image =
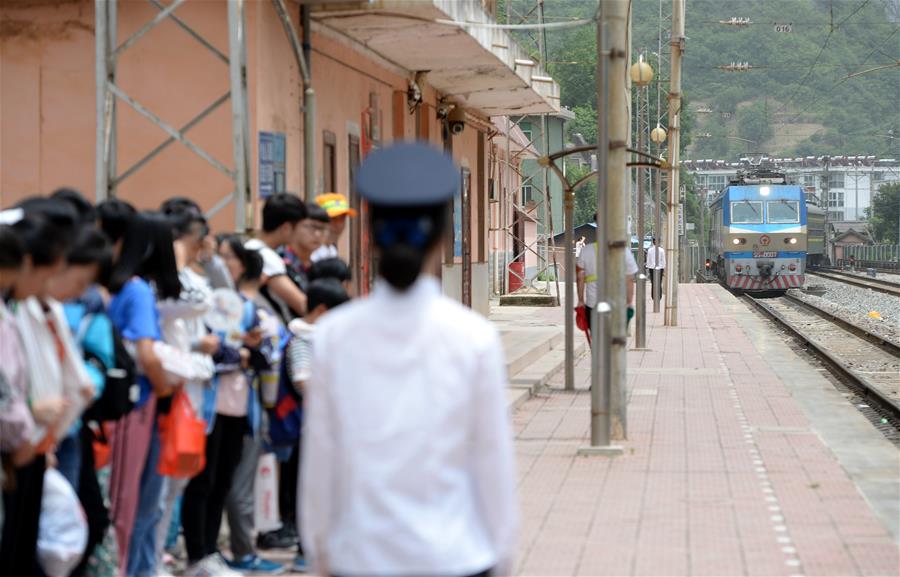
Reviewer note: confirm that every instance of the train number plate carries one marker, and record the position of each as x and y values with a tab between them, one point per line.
768	254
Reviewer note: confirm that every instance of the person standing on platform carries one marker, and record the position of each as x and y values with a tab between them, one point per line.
586	280
338	210
656	260
407	459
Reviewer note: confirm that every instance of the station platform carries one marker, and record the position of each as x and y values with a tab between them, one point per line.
741	459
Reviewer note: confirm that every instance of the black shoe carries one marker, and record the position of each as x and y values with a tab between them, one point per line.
284	538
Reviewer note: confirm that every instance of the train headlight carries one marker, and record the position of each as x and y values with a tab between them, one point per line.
738	241
738	268
791	240
792	267
764	190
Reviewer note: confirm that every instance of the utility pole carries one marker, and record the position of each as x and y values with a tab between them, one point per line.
608	322
677	44
641	75
617	207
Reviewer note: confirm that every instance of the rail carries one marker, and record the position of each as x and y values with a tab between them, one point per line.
884	399
875	284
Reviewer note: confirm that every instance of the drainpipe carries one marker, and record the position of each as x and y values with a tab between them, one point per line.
309	108
302	55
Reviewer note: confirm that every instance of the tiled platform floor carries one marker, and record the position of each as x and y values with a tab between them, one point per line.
724	472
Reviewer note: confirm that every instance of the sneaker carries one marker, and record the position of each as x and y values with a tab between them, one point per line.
255	564
211	566
299	565
283	538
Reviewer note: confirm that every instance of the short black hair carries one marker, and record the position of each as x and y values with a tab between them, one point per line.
41	239
251	260
281	208
90	247
316	212
87	213
183	213
115	215
329	268
325	291
12	249
61	214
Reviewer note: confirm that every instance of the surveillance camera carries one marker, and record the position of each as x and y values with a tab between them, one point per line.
457	120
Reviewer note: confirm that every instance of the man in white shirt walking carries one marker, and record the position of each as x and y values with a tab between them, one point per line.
407	461
656	260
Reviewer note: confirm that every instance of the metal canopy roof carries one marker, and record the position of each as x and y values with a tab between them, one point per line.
477	67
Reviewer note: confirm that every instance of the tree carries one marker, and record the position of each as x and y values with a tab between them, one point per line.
884	214
585	196
753	123
585	123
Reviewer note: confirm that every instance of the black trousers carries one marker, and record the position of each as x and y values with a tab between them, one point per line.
91	499
204	496
662	275
22	511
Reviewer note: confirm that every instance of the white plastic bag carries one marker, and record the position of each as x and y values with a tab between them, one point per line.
265	506
63	531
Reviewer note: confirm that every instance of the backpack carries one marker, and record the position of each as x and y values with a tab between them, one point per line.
98	338
286	417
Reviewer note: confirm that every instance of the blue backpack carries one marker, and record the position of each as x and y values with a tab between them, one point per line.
286	417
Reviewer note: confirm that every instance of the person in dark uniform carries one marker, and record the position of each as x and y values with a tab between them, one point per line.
407	452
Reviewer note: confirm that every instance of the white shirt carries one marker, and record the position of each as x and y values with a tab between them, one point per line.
323	252
587	261
651	257
407	450
273	265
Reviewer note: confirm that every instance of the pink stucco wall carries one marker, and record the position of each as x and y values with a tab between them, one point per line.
47	103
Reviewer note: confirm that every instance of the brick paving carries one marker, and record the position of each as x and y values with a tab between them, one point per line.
722	472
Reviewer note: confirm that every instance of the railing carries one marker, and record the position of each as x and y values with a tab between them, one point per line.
879	253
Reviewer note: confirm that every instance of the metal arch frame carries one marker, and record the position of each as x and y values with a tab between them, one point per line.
108	93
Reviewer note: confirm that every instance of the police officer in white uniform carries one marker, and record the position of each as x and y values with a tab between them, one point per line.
407	461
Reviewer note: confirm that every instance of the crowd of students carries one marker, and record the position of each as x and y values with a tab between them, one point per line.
117	328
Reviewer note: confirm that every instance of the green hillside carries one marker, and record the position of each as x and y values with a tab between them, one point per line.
797	98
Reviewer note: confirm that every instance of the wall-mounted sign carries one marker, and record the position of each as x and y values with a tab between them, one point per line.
271	163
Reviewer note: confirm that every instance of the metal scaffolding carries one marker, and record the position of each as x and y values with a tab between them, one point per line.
109	92
538	205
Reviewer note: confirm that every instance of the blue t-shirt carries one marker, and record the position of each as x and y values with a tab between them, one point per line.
133	311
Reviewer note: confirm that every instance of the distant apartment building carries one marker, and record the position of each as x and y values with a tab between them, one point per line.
850	181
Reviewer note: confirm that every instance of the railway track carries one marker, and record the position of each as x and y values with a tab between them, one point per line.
867	362
876	284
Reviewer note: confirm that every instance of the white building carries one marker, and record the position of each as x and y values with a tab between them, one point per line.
851	181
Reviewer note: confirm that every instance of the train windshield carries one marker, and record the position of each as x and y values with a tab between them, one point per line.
784	211
746	212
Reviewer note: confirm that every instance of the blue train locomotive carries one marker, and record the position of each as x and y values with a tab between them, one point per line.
758	237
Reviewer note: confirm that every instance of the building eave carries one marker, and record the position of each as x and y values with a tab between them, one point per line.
475	66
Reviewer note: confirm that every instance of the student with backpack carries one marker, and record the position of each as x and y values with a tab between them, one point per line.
184	329
146	256
236	408
281	216
245	267
286	419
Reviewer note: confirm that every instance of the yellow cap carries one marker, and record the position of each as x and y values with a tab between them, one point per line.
335	204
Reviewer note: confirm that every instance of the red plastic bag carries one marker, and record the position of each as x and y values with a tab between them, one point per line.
583	322
182	437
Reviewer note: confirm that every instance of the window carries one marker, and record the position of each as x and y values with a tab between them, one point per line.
877	176
780	211
329	163
836	180
747	212
700	180
809	180
835	215
526	129
527	193
716	181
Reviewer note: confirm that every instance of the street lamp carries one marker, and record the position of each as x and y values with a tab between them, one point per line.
641	76
658	135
